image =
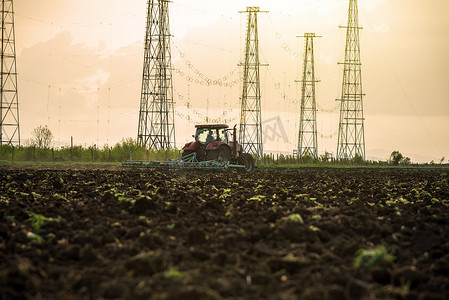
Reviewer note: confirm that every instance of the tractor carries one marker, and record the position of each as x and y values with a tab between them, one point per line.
213	142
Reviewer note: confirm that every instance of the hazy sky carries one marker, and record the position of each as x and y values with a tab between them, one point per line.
80	66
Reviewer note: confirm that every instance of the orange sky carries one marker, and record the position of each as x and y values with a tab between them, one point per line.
80	66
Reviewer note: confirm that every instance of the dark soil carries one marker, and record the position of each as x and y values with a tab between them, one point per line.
272	234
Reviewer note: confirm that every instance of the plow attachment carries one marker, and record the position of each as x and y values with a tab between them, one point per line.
186	162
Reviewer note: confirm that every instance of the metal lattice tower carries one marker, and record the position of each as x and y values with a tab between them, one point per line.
351	135
307	137
156	117
250	131
9	108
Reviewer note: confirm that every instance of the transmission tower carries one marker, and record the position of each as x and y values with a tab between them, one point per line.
156	116
351	135
9	108
250	131
307	137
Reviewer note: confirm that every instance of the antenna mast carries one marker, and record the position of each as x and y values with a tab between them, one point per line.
156	117
250	131
351	134
9	103
307	137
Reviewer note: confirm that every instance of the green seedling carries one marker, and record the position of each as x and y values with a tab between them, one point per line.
425	194
372	257
122	198
154	192
435	200
257	198
295	218
317	217
35	237
174	273
9	218
38	220
285	191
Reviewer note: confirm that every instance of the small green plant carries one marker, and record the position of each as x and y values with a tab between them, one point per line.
9	218
295	218
317	217
154	192
174	273
257	198
38	220
435	200
285	191
425	194
122	198
35	237
372	257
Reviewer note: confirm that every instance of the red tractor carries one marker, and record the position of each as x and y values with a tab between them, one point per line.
214	143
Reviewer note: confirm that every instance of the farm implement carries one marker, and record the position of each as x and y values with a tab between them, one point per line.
213	148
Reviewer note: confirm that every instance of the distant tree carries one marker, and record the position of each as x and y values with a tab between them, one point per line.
326	157
406	161
129	143
396	157
442	159
357	160
41	137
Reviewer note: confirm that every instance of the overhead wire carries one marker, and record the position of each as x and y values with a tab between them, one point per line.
404	93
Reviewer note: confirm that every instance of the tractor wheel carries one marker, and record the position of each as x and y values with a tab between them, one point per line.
222	154
247	160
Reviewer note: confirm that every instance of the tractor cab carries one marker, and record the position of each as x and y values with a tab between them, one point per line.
209	133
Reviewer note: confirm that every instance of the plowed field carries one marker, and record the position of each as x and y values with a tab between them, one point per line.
273	234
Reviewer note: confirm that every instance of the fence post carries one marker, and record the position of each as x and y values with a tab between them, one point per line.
109	154
53	153
130	154
148	155
12	154
34	153
71	148
92	153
